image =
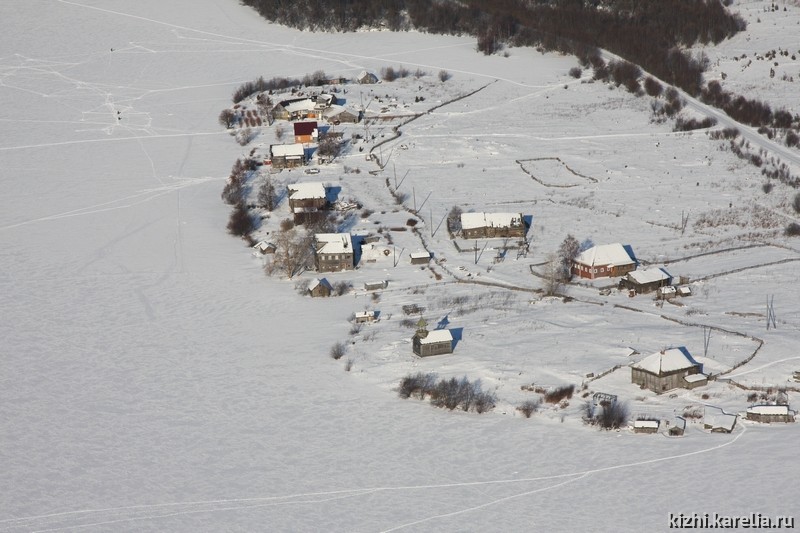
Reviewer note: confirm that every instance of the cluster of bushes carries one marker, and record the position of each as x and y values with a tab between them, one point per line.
391	73
558	394
606	415
682	124
259	85
749	111
450	393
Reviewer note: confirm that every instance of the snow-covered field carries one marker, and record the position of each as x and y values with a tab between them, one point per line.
153	379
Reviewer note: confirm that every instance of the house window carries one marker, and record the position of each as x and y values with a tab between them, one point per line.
594	271
602	270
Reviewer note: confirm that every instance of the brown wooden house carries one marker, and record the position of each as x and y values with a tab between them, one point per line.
319	288
644	281
308	202
426	343
287	155
666	370
333	252
490	225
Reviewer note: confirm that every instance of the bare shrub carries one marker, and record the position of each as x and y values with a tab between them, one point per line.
559	393
444	76
286	224
652	87
575	72
528	407
302	286
227	118
245	136
454	219
388	74
348	365
338	350
355	329
610	415
240	224
342	287
450	393
796	203
267	196
411	222
682	124
792	230
767	187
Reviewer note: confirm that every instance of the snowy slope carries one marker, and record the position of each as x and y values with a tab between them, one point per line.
153	379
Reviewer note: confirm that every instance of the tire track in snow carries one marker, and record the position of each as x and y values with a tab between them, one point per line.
288	499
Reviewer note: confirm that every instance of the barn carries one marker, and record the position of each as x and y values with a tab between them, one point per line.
769	414
490	225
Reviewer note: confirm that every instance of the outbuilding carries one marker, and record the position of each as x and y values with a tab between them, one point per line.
665	370
769	414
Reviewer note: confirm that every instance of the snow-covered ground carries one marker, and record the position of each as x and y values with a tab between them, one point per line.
153	379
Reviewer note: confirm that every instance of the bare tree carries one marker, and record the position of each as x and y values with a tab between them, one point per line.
569	250
552	276
279	133
329	146
240	223
227	118
293	253
267	197
454	219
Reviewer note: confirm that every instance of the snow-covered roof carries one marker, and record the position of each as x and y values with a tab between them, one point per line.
365	314
264	246
437	335
669	289
769	409
313	285
304	104
694	378
334	110
420	255
286	150
306	191
605	254
720	420
646	424
334	243
490	220
649	275
666	361
684	290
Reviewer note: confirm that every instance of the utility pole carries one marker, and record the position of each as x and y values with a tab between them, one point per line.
476	252
706	340
770	312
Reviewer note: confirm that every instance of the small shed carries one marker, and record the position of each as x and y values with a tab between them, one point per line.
319	288
264	247
420	258
375	285
364	317
426	343
692	381
769	414
645	426
667	292
684	290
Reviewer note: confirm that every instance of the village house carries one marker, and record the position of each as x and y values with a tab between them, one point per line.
287	155
375	285
426	343
667	370
294	109
308	202
324	101
603	261
365	77
718	421
644	281
319	288
305	132
333	252
337	114
768	414
489	225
